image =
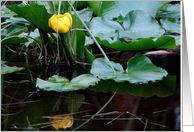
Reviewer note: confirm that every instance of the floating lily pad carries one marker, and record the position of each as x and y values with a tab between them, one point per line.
139	70
57	83
110	9
172	25
137	24
86	14
163	88
163	42
170	11
9	69
138	31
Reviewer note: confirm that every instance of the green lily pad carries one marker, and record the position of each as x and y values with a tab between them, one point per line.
9	69
170	11
163	42
171	25
57	83
136	25
36	14
86	14
110	9
139	70
139	24
163	88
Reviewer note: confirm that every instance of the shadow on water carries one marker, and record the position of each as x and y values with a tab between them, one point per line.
153	106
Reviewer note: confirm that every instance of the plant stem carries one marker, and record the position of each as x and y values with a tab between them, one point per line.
92	36
67	50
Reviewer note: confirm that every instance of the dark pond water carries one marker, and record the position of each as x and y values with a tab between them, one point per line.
155	106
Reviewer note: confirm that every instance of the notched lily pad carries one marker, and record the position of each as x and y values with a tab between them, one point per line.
139	70
57	83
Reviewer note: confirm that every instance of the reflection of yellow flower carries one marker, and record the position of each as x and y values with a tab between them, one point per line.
64	24
61	121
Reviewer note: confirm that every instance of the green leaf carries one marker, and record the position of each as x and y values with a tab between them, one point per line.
177	39
86	14
76	23
13	40
170	11
13	30
9	69
17	20
36	14
139	24
88	54
80	42
57	83
171	25
95	5
139	70
163	42
5	12
110	9
104	28
163	88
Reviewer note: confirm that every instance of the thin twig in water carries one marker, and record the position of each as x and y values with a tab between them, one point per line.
115	118
145	125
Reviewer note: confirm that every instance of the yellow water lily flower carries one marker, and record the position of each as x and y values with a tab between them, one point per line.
61	121
64	24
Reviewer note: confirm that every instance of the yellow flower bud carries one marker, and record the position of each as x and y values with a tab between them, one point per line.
64	24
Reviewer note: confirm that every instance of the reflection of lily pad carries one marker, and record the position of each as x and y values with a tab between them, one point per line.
139	69
163	88
9	69
57	83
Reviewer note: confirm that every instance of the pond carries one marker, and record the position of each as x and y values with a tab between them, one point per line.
90	66
107	106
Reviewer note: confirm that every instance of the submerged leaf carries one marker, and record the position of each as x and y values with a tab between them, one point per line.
139	70
57	83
